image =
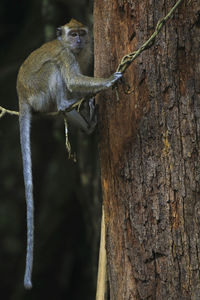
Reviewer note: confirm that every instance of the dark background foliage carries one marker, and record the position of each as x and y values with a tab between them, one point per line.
66	195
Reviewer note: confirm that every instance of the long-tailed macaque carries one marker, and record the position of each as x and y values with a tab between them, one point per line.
53	78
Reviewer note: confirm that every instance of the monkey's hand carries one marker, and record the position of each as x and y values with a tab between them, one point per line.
115	77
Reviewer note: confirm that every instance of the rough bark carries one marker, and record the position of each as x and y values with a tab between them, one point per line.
149	150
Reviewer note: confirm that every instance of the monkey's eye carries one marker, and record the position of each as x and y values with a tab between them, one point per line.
73	33
82	33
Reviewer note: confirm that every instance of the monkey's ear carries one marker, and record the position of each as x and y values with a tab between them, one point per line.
59	32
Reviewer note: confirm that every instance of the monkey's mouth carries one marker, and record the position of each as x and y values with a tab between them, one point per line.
77	49
79	46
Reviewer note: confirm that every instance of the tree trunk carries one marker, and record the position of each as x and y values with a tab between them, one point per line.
149	149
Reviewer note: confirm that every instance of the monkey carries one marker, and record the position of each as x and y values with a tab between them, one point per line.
53	78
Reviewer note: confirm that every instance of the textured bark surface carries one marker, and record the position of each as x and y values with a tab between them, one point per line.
149	150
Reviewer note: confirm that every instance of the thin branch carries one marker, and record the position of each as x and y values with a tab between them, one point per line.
4	111
77	105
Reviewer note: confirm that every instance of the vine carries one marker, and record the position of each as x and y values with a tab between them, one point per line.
129	58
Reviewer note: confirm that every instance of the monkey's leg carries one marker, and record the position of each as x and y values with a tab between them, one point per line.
92	110
92	124
77	120
62	101
92	115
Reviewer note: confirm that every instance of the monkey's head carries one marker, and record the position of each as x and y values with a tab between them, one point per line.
74	35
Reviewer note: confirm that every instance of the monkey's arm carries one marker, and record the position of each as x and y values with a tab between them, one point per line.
79	83
90	85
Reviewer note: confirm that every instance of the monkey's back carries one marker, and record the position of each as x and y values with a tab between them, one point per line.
39	65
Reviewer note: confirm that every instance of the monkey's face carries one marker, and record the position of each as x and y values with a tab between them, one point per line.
75	38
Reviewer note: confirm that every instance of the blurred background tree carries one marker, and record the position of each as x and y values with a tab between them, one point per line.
67	214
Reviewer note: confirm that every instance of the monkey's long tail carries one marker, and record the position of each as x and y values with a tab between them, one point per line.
25	123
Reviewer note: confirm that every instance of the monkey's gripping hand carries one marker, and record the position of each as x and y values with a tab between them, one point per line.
114	78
